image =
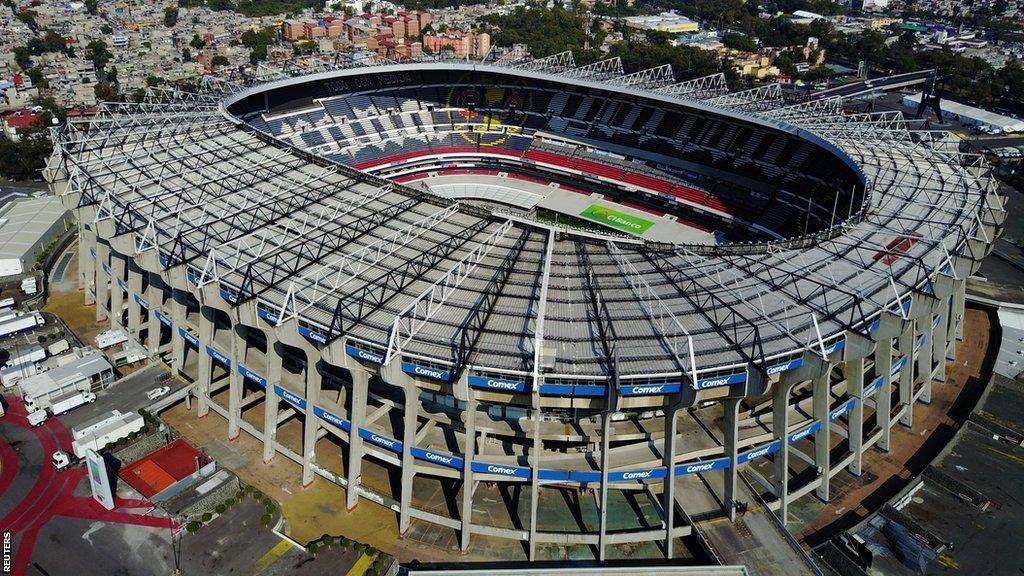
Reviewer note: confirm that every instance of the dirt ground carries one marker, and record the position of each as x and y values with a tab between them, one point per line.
67	301
853	499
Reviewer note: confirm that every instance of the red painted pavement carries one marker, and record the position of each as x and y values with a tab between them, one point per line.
53	492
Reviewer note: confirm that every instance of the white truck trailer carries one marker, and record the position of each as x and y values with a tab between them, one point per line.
110	430
22	356
68	403
20	324
109	338
58	347
6	303
11	375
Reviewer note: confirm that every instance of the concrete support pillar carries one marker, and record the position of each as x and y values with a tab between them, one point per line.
410	421
924	355
271	400
102	281
939	345
606	433
730	421
235	384
905	349
87	263
467	472
154	297
959	303
177	306
117	266
134	308
780	428
357	415
535	453
668	493
854	372
205	375
311	424
823	437
883	398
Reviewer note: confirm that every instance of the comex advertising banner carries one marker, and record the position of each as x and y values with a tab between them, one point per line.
99	479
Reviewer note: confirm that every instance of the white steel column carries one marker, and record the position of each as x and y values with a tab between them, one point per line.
730	421
668	496
155	299
823	437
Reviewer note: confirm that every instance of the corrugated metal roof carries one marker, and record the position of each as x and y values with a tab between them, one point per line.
24	221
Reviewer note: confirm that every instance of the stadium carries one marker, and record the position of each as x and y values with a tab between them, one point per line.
535	301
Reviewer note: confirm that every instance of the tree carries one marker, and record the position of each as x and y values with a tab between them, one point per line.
170	16
197	42
218	60
186	55
22	57
98	53
105	92
91	6
739	42
258	54
152	80
106	29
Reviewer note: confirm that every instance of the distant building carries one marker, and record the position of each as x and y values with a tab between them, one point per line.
971	116
19	121
27	225
669	22
464	44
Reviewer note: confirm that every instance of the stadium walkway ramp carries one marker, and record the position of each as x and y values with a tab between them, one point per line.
756	540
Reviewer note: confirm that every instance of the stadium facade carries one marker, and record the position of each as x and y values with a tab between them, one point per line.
273	241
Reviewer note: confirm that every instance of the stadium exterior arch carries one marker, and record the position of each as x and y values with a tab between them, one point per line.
243	235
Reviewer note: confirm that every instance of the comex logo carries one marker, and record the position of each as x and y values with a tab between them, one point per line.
383	441
637	475
503	385
647	389
714	382
759	453
364	355
447	460
501	470
432	372
699	467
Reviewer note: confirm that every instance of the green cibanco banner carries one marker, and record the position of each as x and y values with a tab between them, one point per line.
616	219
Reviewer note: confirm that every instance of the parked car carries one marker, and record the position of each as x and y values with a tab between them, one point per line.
37	417
158	392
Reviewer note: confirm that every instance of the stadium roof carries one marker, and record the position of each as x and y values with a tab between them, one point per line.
402	273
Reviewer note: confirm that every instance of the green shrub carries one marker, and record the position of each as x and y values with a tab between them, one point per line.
239	495
229	502
312	548
265	519
220	508
257	494
41	339
267	501
344	542
248	489
207	516
192	527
